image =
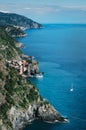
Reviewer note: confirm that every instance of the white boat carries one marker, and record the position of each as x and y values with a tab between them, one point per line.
71	89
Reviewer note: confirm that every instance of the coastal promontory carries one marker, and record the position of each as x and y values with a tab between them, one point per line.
20	100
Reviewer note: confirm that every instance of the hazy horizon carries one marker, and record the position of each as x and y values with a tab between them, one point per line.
52	11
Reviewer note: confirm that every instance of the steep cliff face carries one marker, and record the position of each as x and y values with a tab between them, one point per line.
37	110
20	100
14	89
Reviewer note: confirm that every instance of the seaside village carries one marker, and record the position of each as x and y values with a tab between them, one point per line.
27	66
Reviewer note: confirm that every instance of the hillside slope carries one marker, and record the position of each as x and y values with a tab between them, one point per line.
18	20
20	100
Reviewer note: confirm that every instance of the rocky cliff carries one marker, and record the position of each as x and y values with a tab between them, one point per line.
20	100
40	110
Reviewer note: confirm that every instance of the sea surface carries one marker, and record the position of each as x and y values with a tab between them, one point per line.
60	50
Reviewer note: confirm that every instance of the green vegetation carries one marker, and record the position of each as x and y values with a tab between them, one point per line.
17	20
1	75
8	45
15	91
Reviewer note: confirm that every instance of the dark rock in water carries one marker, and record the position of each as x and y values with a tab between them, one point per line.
39	110
48	113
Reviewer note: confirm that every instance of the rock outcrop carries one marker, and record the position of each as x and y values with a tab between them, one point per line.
41	110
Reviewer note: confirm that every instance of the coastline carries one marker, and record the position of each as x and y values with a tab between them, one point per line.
36	111
22	102
58	118
41	111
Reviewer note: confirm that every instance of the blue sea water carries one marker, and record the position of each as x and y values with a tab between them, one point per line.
60	50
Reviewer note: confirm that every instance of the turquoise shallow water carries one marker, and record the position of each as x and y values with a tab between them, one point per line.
61	52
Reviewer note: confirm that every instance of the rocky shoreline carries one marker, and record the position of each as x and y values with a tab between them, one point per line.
20	100
41	110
